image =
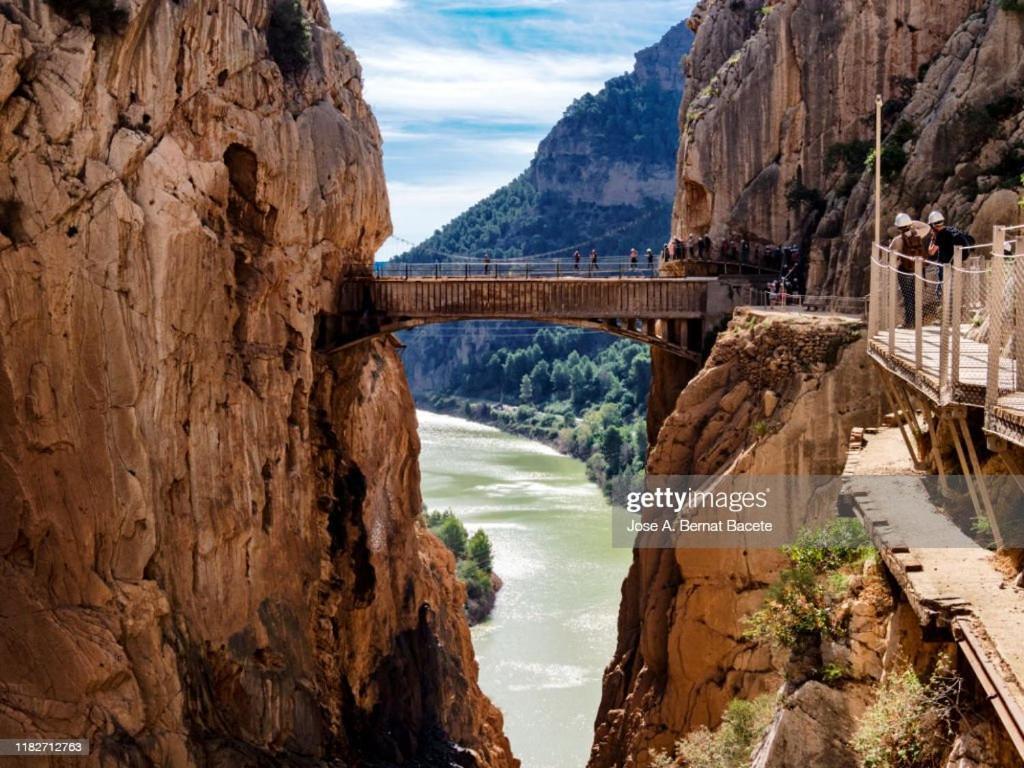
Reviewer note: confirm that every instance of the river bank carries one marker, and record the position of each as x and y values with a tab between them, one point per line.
609	450
544	649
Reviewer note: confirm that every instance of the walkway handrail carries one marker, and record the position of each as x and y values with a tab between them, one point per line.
954	331
502	269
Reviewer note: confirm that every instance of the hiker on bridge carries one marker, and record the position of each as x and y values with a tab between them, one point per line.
650	259
944	242
593	258
487	263
634	259
910	245
576	261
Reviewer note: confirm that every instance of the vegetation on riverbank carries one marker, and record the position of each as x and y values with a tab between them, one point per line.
589	404
474	558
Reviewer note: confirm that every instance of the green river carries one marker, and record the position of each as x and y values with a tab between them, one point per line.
543	652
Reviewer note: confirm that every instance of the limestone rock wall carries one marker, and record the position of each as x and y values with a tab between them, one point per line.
776	90
209	552
778	396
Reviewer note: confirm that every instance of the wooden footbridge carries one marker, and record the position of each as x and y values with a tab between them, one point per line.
674	314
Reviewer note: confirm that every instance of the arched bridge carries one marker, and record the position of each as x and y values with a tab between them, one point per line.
673	314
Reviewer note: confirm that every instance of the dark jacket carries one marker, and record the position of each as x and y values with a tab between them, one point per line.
947	240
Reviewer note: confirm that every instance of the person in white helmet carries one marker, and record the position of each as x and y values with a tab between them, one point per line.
911	245
944	242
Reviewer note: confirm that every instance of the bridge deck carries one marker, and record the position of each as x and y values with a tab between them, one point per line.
528	298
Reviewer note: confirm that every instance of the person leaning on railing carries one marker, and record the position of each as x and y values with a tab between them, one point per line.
911	244
944	242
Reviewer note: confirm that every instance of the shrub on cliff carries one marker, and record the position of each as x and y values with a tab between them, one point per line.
797	606
473	557
104	15
910	724
289	38
479	551
731	745
450	530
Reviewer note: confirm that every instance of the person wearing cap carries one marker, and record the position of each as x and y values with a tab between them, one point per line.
944	242
650	259
910	245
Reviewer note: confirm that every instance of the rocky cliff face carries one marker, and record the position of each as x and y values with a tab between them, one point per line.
778	121
681	656
209	552
609	149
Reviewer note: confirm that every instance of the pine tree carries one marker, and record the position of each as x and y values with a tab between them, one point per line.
479	551
526	390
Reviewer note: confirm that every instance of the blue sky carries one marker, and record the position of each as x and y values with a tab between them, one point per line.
465	89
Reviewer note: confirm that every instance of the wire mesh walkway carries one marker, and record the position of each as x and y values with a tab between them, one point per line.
955	332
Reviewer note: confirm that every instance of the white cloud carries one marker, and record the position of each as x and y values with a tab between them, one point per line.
423	83
337	7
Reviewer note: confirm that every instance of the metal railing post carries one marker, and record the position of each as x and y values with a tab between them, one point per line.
873	302
919	288
1017	311
956	317
947	299
893	280
997	285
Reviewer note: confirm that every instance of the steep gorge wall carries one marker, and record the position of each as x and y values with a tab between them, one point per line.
209	552
777	90
778	396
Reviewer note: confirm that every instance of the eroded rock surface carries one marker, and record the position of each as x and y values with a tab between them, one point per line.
778	92
209	552
681	656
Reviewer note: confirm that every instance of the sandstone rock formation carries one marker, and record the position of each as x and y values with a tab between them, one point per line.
680	656
209	552
780	93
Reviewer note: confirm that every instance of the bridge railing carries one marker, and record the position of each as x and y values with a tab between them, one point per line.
518	270
954	331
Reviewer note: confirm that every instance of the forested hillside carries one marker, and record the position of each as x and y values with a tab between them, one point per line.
581	391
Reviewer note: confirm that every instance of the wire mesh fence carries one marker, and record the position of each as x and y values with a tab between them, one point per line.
955	331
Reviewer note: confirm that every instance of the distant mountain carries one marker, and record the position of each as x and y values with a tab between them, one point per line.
603	178
604	175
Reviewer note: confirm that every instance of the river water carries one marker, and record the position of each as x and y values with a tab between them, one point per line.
543	652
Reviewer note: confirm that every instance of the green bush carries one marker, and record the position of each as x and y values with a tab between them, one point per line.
894	152
479	551
731	745
841	542
852	154
910	723
104	15
450	530
1012	5
794	609
289	37
797	195
797	605
477	581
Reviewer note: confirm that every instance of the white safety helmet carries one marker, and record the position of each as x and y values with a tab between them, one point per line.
903	221
936	217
